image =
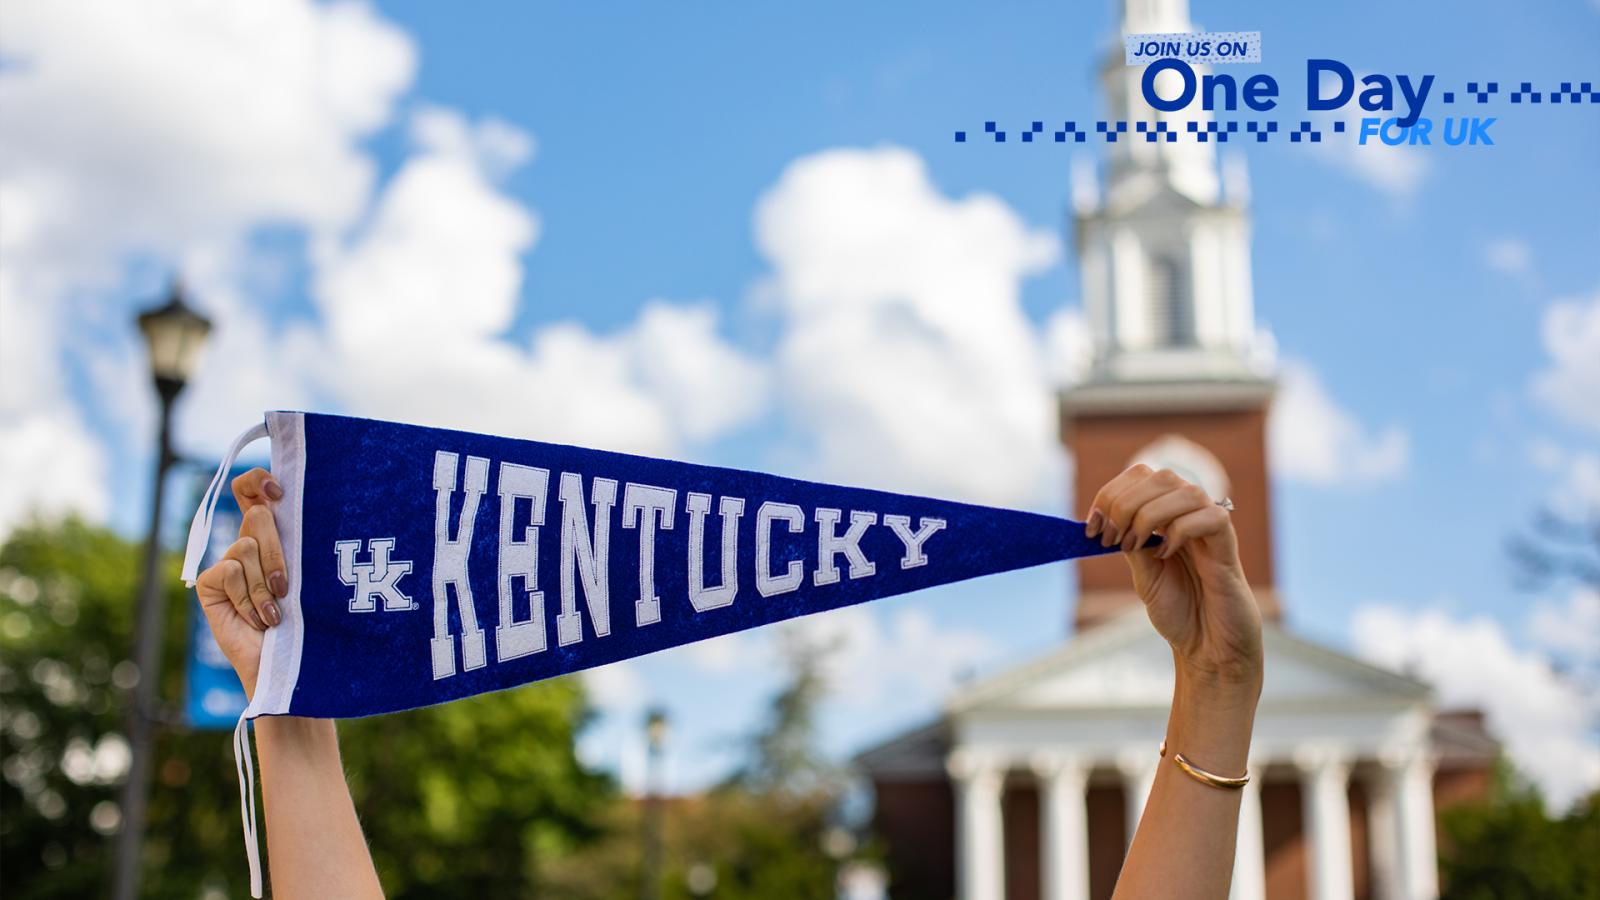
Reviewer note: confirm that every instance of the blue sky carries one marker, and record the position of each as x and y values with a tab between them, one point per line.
634	152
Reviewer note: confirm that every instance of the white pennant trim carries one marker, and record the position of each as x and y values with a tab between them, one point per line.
200	528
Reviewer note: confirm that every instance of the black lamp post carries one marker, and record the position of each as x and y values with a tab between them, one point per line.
655	733
174	334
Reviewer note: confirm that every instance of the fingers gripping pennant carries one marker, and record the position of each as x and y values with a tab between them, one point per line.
427	565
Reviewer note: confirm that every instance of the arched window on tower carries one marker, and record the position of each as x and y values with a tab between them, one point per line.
1169	302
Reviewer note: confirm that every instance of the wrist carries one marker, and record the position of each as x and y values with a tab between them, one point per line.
296	737
1237	683
1213	718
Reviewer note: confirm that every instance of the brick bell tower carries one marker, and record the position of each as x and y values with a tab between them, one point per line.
1179	377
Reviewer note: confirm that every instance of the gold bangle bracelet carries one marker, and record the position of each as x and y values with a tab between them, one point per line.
1212	779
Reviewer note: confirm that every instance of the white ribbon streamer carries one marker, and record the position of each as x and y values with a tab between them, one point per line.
200	528
246	769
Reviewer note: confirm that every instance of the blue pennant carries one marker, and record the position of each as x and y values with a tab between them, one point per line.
428	565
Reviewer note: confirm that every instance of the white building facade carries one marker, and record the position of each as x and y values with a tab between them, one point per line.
1345	762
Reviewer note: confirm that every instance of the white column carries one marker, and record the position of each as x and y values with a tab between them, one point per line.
1249	855
1413	801
980	847
1383	832
1138	768
1063	826
1325	801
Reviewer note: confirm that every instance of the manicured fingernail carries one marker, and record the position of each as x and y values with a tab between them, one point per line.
1092	526
1163	551
270	610
255	620
278	583
1110	536
273	490
1131	542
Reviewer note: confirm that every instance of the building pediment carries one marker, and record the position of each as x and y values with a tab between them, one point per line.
1124	664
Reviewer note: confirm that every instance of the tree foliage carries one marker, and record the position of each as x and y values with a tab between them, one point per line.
1558	546
471	799
772	829
782	756
1508	848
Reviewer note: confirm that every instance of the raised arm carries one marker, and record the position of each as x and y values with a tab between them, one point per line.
1195	592
314	843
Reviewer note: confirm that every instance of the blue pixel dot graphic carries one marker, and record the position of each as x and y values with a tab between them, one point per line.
1111	130
1070	129
1568	94
1262	130
1526	92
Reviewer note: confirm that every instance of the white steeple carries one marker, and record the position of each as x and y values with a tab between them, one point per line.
1164	253
1144	16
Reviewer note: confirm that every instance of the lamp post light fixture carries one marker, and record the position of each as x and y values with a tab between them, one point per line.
656	729
174	335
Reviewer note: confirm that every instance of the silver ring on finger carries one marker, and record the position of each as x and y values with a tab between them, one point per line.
1226	503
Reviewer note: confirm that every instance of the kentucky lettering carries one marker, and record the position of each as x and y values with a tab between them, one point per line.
588	524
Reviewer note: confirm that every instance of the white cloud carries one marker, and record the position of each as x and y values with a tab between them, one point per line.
1546	722
719	655
1396	171
1068	346
909	658
54	466
616	688
49	462
418	304
1509	255
1577	492
1546	454
1313	439
156	131
903	656
193	120
905	357
1583	480
613	740
1570	631
1570	385
441	260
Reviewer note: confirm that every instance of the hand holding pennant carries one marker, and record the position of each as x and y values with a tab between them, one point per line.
425	565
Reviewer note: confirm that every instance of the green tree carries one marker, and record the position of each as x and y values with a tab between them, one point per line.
782	755
1507	848
772	829
471	799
